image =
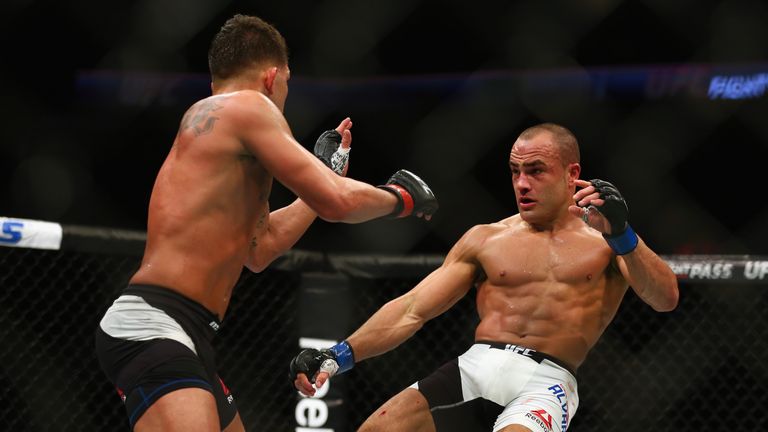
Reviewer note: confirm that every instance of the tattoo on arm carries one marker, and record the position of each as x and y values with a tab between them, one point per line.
200	117
262	219
259	226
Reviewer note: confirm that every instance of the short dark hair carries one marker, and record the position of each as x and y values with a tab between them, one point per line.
242	42
564	138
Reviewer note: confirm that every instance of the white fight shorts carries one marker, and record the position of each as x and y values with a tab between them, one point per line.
494	385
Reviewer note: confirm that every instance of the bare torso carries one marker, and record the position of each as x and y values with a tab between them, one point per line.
209	206
554	291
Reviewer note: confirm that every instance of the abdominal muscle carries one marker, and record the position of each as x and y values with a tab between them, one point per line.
553	318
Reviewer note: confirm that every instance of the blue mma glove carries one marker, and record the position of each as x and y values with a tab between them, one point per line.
622	238
335	360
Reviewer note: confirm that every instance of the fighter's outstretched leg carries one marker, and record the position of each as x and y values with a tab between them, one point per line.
408	411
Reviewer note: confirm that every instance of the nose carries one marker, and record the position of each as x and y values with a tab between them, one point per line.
522	184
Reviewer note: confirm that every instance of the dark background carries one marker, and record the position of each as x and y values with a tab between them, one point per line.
93	93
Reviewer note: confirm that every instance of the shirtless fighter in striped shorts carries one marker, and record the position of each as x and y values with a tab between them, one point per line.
209	217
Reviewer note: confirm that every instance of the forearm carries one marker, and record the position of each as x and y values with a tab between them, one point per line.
651	278
385	330
390	326
404	194
360	202
394	322
286	226
402	317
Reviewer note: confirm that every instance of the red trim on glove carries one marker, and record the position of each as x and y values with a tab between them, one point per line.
407	200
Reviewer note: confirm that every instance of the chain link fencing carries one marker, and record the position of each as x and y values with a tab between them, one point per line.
701	367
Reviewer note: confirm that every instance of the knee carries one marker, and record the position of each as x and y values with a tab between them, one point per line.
381	420
372	425
408	411
515	428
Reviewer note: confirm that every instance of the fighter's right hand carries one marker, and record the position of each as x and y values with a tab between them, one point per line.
313	366
413	195
306	367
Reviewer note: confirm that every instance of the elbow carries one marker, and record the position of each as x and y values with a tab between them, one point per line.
260	264
255	265
332	214
415	322
261	257
336	208
671	299
667	306
412	319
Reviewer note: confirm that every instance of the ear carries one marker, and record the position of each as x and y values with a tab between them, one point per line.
574	170
269	79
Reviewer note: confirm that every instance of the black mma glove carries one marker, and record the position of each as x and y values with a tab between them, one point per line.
413	195
328	149
622	239
335	360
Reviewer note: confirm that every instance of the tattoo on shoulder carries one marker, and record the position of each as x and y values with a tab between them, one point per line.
200	117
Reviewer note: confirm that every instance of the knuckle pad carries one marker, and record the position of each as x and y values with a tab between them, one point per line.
423	197
615	207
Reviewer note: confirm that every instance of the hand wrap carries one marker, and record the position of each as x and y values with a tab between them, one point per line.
413	195
335	360
329	150
622	239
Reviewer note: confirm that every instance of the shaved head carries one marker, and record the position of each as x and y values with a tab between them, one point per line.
566	142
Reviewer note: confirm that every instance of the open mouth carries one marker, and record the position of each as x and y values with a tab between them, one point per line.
526	203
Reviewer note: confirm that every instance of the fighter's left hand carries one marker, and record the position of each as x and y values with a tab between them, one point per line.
346	142
333	146
601	206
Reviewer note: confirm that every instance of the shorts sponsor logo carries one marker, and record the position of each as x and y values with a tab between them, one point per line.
229	396
120	393
517	349
542	418
558	391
